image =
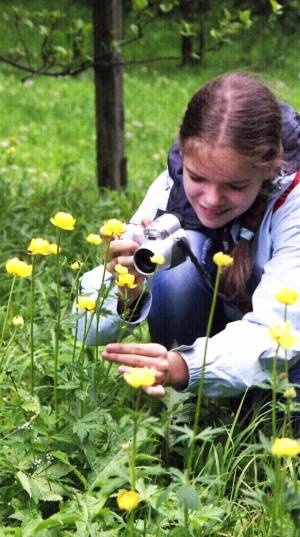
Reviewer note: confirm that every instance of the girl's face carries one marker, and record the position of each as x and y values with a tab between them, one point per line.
220	184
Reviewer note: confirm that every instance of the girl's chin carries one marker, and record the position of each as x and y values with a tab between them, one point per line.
213	219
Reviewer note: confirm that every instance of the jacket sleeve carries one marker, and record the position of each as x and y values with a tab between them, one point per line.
156	198
110	322
108	327
242	355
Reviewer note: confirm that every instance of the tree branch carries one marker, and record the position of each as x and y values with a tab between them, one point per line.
45	70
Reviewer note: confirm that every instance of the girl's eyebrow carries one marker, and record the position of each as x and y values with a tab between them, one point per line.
241	182
194	174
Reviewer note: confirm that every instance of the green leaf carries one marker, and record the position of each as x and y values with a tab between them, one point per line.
59	519
61	456
135	29
162	498
31	404
276	7
25	482
244	15
60	51
28	23
188	498
81	429
43	30
47	490
139	4
215	34
166	7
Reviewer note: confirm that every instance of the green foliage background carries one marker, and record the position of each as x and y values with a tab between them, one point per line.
63	482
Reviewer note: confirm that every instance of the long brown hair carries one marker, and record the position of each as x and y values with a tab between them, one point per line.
241	113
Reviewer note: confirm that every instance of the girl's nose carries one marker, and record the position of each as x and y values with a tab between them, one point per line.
213	197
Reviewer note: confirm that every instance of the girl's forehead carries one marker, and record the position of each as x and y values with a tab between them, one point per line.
219	163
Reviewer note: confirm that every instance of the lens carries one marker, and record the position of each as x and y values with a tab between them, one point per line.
142	261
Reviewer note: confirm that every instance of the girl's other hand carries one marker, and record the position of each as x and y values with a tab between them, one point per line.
170	367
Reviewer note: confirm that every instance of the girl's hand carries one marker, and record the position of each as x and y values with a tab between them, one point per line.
121	252
170	367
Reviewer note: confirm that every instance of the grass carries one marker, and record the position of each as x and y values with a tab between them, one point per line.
61	479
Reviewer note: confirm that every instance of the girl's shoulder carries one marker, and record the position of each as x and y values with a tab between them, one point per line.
286	186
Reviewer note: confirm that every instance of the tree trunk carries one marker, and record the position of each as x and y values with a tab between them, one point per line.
111	161
186	41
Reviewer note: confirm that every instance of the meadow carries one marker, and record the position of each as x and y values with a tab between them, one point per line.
73	433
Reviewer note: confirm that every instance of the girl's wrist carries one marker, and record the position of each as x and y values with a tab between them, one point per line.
178	374
133	306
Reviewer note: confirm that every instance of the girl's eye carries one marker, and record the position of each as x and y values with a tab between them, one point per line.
196	179
238	188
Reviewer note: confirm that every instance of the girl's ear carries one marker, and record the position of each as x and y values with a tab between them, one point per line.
274	166
271	170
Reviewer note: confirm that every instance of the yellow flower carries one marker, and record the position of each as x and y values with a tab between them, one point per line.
128	499
222	260
76	265
112	227
290	393
53	248
86	303
284	335
18	321
157	259
126	280
19	268
285	447
92	238
12	139
10	151
120	269
63	221
287	296
140	376
39	246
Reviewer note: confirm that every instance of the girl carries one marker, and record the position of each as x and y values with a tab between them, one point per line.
232	180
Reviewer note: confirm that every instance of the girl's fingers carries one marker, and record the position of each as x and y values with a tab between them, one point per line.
118	248
136	360
124	260
155	391
159	375
147	220
154	350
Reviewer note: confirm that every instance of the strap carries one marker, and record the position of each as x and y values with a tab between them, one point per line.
285	194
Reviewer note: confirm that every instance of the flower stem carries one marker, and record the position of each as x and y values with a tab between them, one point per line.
6	348
123	328
81	362
274	390
7	310
276	496
76	326
191	449
134	439
32	311
99	310
58	322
